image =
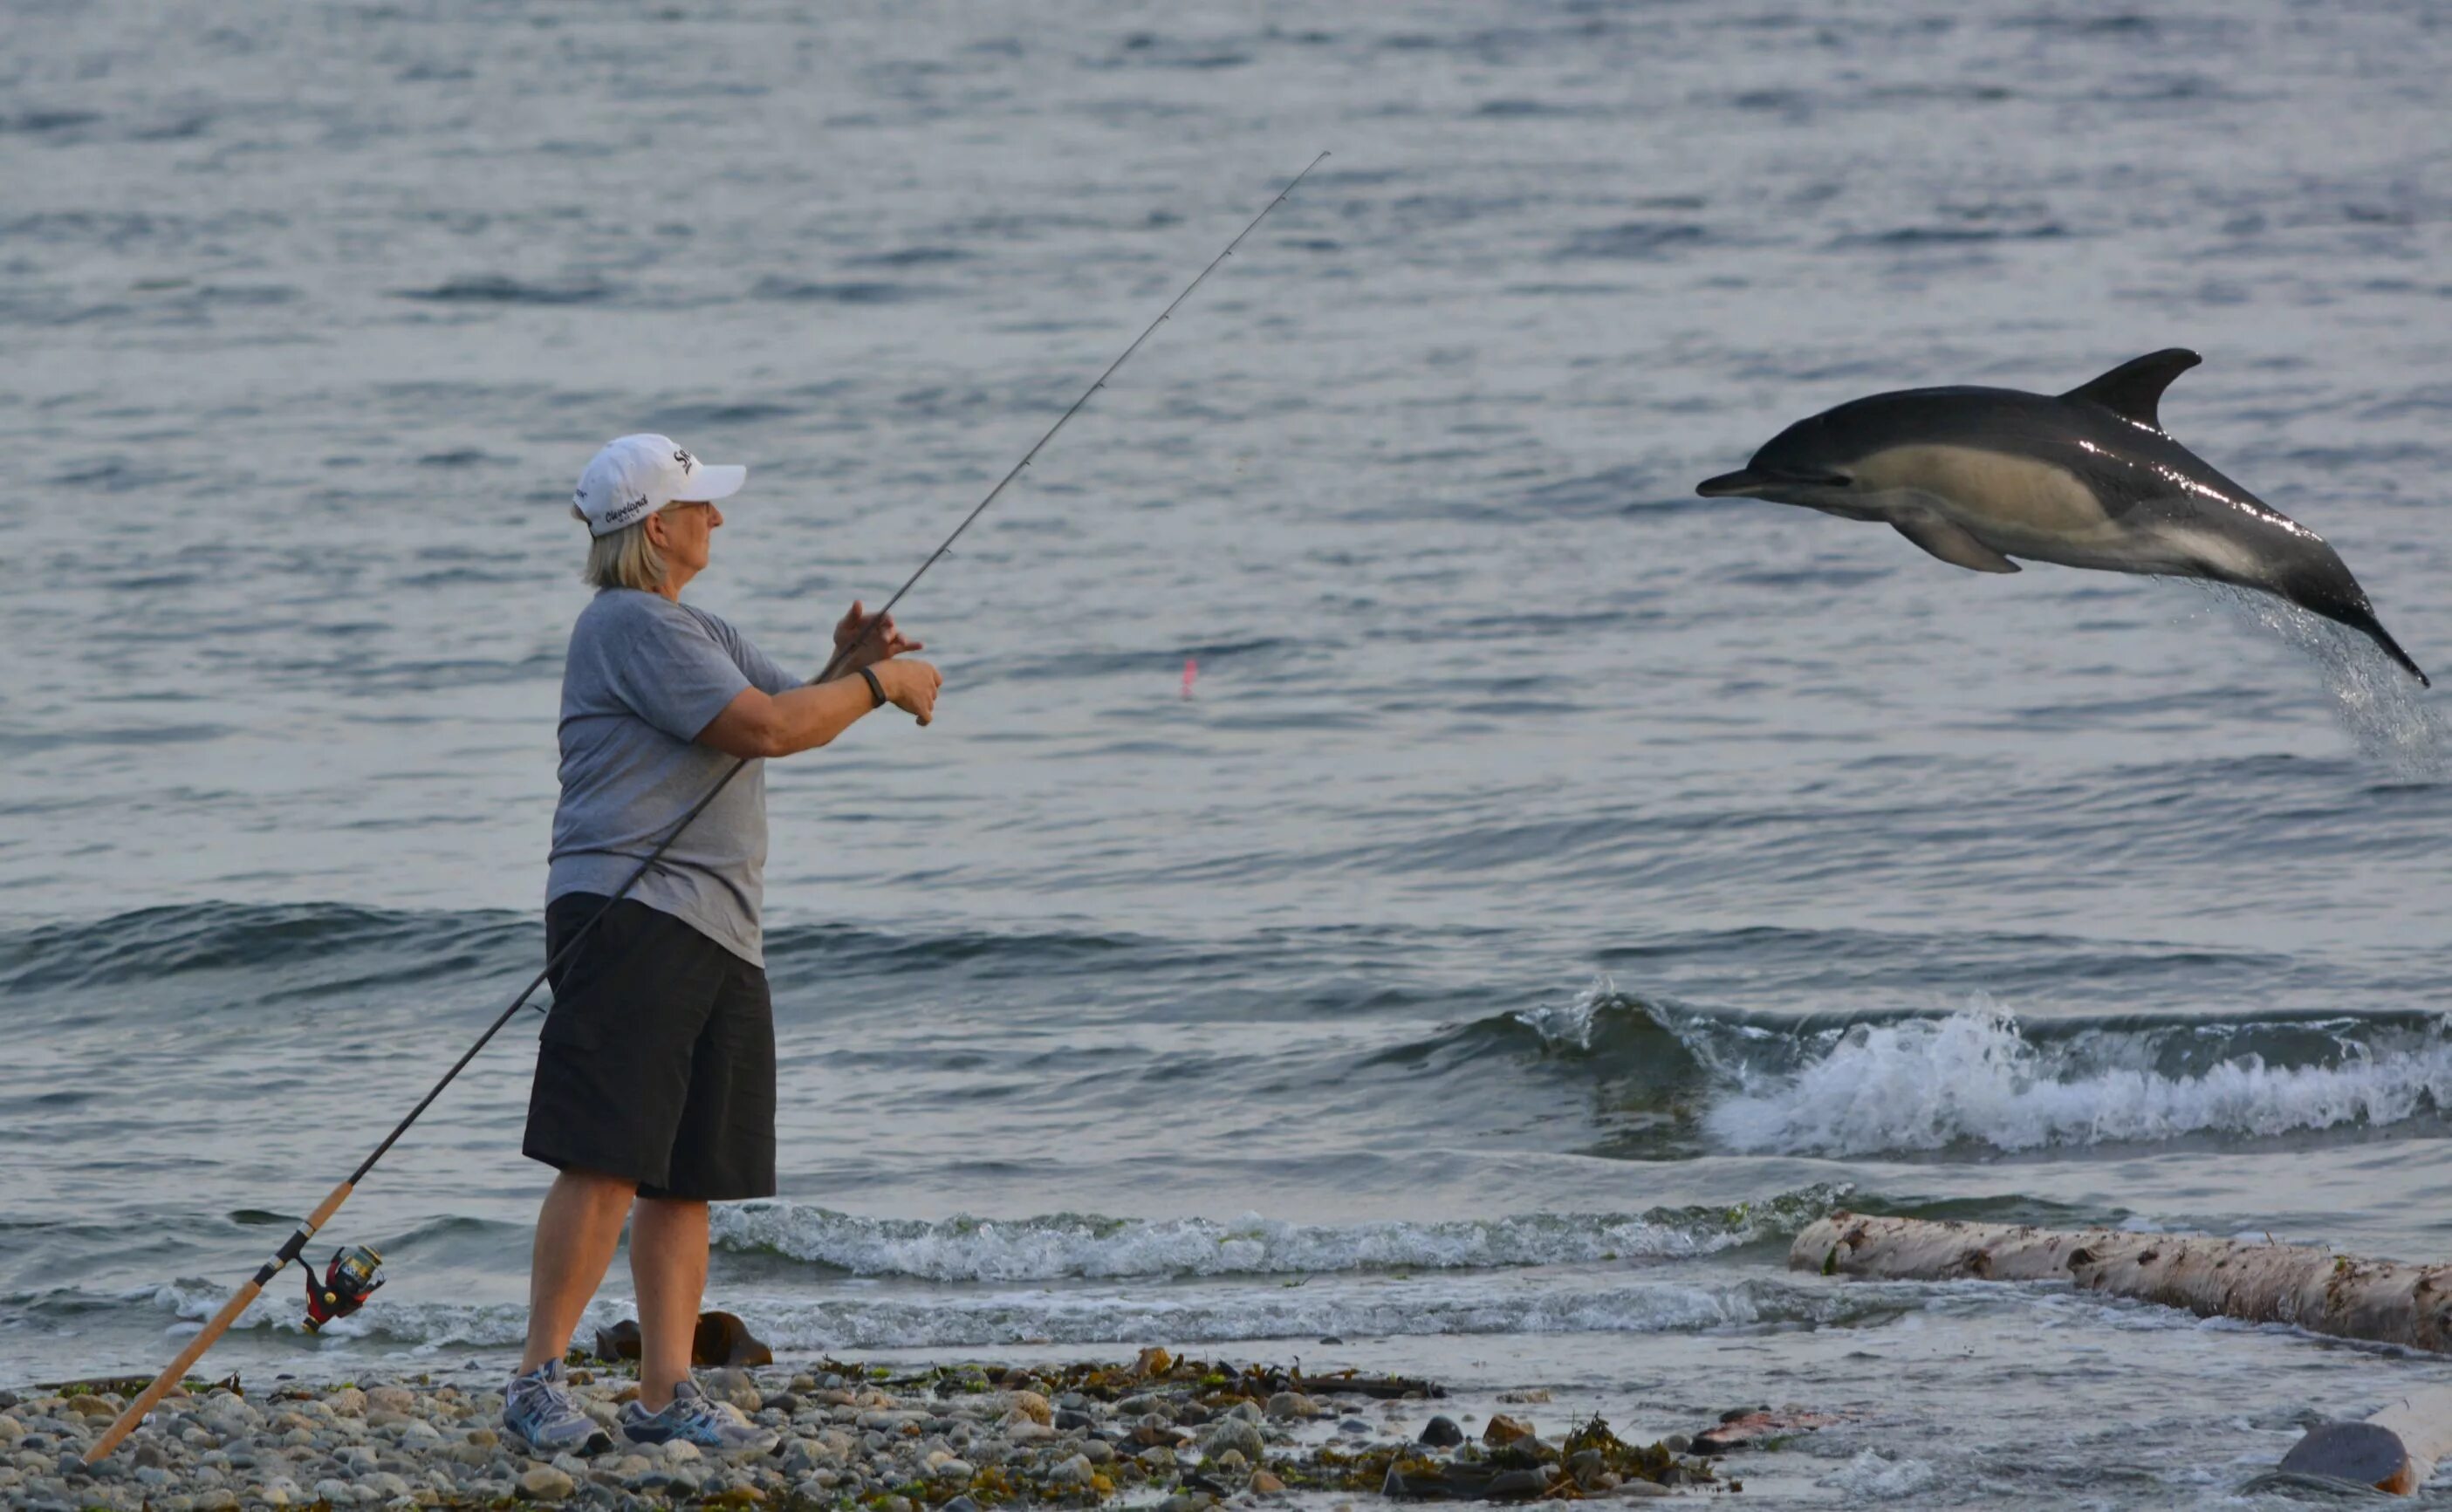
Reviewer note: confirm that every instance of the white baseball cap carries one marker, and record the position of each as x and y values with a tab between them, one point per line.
635	475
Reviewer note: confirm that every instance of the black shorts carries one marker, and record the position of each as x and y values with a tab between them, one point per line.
658	1061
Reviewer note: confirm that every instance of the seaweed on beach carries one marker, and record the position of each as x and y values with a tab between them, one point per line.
1591	1461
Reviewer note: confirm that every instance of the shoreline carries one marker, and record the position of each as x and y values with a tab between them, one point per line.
1177	1434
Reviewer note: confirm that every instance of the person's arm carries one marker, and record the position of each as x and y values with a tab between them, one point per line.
757	723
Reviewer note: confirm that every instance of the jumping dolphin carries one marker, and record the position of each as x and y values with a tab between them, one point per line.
2088	479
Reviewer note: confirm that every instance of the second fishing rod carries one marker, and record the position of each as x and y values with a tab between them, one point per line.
354	1272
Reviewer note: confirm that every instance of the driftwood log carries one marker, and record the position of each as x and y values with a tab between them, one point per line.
2383	1301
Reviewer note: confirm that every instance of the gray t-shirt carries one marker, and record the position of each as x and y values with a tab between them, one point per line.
645	674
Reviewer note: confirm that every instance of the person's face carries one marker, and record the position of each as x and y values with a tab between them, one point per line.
681	533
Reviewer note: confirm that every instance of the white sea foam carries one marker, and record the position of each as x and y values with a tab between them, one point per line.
1924	1084
1872	1475
1092	1246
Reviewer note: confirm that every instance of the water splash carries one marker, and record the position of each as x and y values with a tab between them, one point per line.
2382	707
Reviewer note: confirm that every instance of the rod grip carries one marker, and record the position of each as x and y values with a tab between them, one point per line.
177	1370
145	1402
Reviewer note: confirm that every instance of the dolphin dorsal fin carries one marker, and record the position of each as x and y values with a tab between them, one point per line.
2132	389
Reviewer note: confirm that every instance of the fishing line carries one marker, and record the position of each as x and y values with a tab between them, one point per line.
353	1272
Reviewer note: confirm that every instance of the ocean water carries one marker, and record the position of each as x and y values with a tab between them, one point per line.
1556	889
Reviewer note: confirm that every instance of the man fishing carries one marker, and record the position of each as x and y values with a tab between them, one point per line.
655	1075
655	1082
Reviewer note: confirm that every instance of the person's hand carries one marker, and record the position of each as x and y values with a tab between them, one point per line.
863	639
911	686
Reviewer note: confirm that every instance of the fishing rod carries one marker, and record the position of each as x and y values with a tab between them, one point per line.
355	1272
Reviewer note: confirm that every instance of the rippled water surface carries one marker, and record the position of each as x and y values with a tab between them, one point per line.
1555	887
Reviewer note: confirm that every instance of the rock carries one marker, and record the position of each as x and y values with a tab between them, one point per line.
1586	1467
951	1469
1073	1472
1032	1405
92	1406
1509	1485
1744	1427
1235	1435
546	1483
392	1399
1354	1426
1292	1405
680	1451
1230	1462
1068	1421
784	1403
10	1430
1263	1483
1157	1457
1677	1444
1504	1429
733	1386
1644	1488
1441	1433
348	1403
1098	1451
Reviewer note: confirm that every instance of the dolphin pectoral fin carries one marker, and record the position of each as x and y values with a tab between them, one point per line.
1952	544
2134	388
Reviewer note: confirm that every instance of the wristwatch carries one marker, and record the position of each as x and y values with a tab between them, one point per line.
876	689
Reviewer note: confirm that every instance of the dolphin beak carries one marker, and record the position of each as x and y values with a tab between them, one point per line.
1748	483
1730	485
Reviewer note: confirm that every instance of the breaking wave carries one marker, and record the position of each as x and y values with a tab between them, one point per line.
1975	1076
1076	1246
1981	1076
1346	1309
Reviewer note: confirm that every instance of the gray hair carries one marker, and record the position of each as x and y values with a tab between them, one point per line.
625	559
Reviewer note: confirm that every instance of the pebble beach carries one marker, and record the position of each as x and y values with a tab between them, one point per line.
1177	1434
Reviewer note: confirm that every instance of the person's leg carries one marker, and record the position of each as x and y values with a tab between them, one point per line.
576	1231
669	1267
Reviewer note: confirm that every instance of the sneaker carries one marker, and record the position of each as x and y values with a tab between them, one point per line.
693	1417
540	1412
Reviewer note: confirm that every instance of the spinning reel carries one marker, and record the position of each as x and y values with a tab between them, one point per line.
348	1281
